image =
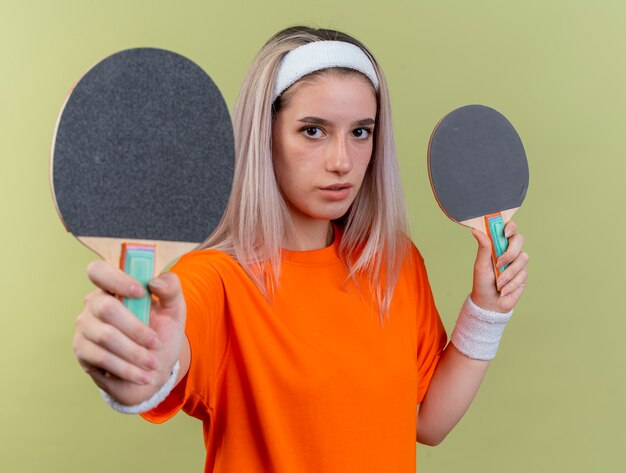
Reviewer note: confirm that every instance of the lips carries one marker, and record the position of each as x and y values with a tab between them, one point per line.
337	192
337	187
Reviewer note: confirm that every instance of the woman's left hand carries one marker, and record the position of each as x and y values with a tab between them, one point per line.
511	282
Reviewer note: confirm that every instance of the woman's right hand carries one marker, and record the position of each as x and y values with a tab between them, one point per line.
126	358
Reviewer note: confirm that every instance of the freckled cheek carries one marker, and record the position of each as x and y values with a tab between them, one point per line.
301	172
292	180
363	163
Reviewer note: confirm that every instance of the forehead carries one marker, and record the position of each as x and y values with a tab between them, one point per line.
334	88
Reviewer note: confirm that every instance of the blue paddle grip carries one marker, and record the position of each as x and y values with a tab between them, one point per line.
138	262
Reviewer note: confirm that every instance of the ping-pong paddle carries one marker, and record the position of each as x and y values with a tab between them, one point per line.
478	171
142	161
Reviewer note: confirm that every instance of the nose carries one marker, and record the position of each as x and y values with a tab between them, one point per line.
339	160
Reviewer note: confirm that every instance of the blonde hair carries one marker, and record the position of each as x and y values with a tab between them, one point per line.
256	221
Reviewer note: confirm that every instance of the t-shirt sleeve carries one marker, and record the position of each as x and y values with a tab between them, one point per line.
431	334
205	330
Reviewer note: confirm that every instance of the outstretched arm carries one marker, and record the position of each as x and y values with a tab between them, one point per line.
458	376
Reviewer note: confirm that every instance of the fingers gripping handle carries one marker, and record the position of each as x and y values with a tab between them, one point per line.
494	224
138	262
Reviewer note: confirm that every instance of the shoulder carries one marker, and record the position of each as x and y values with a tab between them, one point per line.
414	252
203	269
413	266
204	261
412	256
206	278
211	270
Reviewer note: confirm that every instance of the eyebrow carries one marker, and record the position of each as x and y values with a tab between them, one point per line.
323	122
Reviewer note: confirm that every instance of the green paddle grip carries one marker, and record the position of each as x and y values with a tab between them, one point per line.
495	226
138	262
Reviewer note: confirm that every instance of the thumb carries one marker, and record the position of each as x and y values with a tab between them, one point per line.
167	288
484	247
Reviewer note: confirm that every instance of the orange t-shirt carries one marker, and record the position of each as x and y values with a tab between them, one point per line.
311	381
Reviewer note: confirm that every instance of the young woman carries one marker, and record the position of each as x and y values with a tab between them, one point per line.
304	335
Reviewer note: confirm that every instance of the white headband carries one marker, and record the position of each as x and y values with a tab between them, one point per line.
320	55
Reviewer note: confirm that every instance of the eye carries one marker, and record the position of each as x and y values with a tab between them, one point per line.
362	133
312	132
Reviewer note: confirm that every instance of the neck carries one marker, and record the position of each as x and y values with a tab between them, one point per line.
310	236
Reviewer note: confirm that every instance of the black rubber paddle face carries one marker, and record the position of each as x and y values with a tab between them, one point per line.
477	163
143	150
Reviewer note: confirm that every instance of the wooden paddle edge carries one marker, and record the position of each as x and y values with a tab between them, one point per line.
54	140
479	222
110	249
430	176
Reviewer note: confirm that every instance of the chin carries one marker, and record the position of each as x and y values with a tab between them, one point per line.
333	215
325	212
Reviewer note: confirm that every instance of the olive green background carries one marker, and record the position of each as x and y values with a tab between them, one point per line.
553	400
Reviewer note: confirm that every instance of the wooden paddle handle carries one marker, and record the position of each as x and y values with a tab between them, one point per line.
494	225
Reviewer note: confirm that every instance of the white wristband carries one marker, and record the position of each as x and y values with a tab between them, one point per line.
477	332
150	403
